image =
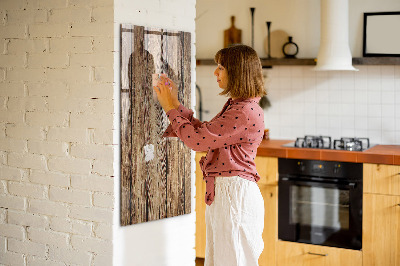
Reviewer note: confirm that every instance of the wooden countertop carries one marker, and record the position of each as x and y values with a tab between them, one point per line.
379	154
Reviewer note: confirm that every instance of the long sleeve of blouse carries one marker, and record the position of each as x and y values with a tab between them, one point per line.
186	113
225	130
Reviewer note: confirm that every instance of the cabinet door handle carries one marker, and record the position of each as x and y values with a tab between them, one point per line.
318	254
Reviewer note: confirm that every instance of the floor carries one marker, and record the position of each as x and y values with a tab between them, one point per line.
199	262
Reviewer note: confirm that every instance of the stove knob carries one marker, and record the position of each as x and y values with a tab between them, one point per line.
301	166
336	169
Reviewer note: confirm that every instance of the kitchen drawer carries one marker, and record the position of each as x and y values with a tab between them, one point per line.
267	168
298	254
381	179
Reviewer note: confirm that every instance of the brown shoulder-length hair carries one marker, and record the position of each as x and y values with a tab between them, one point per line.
245	78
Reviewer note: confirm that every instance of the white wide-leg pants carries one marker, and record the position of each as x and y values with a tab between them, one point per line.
234	223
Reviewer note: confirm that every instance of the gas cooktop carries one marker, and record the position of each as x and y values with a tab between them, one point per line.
325	142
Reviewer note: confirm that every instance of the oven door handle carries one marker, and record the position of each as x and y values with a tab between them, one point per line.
329	184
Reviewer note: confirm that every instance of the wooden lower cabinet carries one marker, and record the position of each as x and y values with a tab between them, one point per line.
270	233
298	254
381	230
200	209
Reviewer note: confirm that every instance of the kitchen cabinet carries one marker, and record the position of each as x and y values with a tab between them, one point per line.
381	179
267	168
298	254
270	233
381	215
381	230
200	209
381	221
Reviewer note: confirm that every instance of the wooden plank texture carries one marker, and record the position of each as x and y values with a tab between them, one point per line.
170	48
126	123
155	171
138	186
186	99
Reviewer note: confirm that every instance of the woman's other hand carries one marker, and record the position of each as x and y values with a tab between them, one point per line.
164	94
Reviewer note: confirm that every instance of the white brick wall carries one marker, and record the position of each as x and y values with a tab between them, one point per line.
56	122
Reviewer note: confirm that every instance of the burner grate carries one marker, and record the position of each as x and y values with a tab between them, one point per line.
324	142
321	142
351	144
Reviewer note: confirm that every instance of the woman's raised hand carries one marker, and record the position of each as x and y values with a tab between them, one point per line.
174	89
164	93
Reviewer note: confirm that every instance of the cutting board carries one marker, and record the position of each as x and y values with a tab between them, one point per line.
232	35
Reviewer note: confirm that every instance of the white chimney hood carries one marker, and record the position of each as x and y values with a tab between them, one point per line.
334	51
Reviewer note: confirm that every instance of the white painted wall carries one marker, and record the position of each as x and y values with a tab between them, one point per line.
338	104
299	18
169	241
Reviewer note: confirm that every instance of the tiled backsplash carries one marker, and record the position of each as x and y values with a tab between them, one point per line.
338	104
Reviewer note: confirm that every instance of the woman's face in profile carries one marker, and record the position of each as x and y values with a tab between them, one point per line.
222	76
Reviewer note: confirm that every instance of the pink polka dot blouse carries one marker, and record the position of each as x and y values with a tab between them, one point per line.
231	139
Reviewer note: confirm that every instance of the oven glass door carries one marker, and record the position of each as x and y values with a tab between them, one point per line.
319	212
316	208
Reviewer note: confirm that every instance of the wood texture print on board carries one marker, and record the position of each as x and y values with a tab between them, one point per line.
155	171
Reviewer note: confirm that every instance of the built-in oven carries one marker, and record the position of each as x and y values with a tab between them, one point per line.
320	202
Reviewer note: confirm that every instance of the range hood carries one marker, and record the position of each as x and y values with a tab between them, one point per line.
334	51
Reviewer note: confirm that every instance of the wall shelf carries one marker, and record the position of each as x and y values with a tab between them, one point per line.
312	61
376	61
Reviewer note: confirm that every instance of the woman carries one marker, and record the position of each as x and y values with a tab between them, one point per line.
235	207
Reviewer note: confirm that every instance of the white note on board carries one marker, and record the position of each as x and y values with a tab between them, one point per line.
148	152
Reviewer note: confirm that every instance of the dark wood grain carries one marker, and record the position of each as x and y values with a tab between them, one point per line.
155	187
172	55
139	112
188	103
